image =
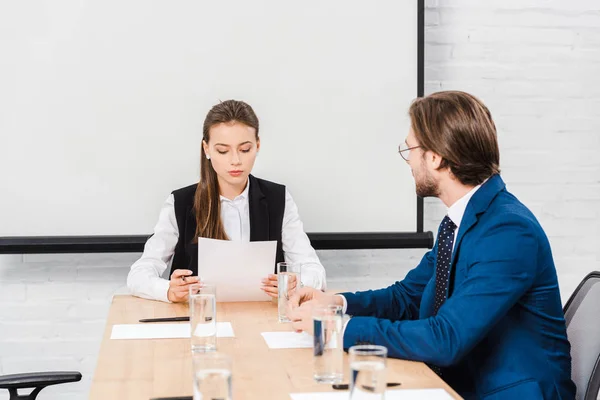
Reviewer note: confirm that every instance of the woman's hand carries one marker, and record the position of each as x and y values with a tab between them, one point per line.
179	285
269	285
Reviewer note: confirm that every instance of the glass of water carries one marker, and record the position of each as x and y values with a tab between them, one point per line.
288	281
328	347
212	376
367	372
203	317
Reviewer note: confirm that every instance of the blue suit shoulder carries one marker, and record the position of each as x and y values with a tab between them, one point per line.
508	215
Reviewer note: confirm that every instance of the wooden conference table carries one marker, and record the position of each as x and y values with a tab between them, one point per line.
143	369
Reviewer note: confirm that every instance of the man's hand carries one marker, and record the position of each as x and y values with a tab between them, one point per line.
302	304
306	294
301	317
179	285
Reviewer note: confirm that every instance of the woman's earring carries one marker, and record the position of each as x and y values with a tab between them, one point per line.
207	157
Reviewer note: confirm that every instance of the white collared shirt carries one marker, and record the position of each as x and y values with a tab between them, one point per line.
457	210
145	277
235	215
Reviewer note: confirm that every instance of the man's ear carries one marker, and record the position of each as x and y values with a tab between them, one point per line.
434	160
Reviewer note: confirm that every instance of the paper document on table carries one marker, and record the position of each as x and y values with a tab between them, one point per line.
402	394
288	340
236	268
163	331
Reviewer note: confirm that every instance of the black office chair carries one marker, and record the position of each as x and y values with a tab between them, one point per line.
582	314
36	381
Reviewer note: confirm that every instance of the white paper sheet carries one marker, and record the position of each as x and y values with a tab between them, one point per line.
404	394
288	340
236	268
163	331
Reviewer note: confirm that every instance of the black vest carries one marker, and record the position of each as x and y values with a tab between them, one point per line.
266	205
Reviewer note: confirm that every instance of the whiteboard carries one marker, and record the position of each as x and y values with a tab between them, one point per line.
102	105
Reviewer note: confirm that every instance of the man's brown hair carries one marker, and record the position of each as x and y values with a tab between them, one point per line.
458	127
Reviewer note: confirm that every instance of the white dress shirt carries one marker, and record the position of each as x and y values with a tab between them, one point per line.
145	277
455	212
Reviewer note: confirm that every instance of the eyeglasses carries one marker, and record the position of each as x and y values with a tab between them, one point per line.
404	151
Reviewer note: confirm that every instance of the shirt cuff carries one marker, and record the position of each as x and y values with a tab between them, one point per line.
345	320
345	306
161	290
312	277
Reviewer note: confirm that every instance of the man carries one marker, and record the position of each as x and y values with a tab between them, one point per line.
483	307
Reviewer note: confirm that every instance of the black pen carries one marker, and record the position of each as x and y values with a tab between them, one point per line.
169	319
345	386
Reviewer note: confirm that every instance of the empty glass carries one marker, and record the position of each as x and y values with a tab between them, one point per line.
212	376
367	372
328	344
203	317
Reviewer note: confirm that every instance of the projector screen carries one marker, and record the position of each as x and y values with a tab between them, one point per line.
103	103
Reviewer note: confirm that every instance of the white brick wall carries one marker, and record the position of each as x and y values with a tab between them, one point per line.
534	62
53	311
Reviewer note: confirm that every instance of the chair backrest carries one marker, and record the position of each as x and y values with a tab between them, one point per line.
582	314
36	381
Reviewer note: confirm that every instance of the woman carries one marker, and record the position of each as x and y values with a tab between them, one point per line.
229	204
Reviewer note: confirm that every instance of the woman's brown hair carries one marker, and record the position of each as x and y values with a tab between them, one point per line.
207	203
458	127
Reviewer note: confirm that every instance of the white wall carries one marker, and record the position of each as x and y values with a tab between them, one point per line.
534	62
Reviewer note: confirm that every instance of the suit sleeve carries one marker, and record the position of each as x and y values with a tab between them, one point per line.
496	279
397	302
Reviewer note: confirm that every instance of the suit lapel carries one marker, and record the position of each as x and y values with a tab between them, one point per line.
259	212
478	204
467	222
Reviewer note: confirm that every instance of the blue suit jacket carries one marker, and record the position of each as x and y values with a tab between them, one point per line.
501	332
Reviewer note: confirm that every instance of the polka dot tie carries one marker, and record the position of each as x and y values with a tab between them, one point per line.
445	241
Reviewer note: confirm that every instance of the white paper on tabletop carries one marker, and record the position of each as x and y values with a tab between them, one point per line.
236	268
404	394
163	331
288	340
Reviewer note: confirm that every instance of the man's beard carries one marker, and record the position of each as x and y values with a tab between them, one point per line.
427	187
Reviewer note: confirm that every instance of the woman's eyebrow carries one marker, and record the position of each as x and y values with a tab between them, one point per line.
226	145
